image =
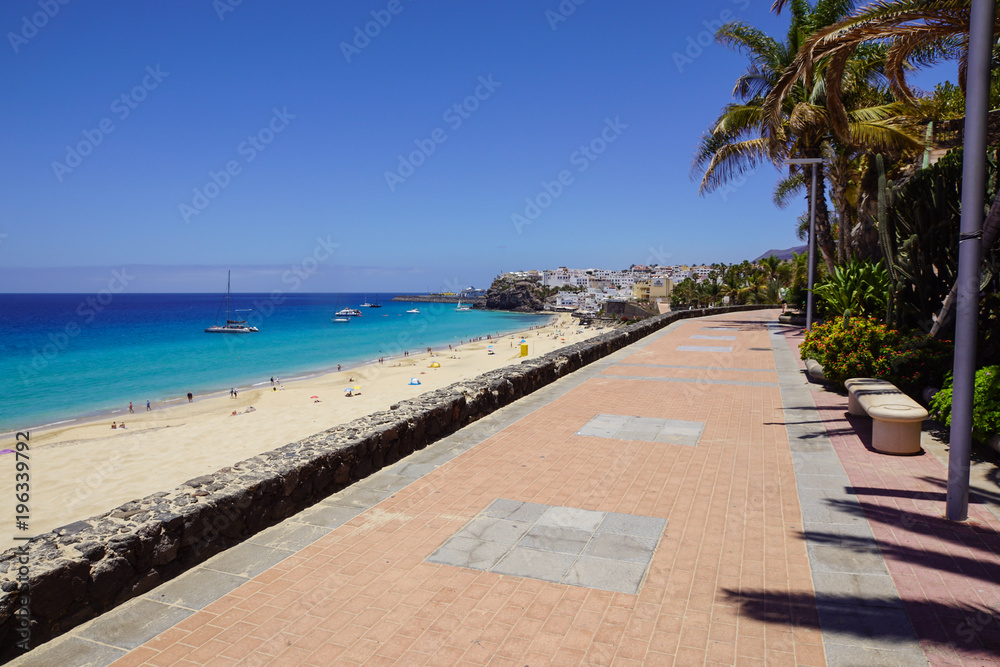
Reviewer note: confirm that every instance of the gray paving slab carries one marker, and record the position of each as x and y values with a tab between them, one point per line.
571	517
289	535
608	575
133	623
535	564
641	432
515	510
247	560
469	552
866	590
713	337
362	496
195	589
328	515
660	378
625	548
69	651
704	348
686	440
631	524
500	531
850	655
556	538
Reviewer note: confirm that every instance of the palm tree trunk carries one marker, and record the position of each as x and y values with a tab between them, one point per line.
824	238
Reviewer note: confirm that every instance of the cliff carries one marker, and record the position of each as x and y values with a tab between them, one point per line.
519	297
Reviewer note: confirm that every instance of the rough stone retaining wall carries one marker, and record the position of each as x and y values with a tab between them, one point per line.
78	571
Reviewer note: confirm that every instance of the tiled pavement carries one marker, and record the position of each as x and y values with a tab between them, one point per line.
705	478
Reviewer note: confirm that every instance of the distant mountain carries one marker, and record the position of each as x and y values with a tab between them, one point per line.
783	254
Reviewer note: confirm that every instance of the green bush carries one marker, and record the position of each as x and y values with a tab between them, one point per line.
861	287
986	403
867	348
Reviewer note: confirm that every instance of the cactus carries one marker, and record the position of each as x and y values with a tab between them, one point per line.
847	319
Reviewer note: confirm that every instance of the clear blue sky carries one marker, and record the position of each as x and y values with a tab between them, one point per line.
199	82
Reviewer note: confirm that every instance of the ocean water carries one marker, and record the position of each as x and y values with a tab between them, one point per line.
64	356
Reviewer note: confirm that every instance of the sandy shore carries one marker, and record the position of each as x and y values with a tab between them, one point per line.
85	468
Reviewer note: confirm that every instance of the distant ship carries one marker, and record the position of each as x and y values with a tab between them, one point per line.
348	312
231	326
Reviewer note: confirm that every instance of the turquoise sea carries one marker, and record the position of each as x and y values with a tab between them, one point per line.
65	356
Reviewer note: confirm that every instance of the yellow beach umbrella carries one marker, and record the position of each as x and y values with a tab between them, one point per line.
435	365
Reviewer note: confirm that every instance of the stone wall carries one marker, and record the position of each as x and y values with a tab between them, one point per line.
88	567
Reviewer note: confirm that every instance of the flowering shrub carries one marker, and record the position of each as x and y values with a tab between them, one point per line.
868	348
986	403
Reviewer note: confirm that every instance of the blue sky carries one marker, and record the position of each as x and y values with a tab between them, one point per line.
176	140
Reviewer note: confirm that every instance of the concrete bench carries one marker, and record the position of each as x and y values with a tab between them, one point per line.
896	417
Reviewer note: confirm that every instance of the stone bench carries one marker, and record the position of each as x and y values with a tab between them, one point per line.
896	417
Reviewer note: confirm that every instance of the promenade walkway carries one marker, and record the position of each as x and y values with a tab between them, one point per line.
689	500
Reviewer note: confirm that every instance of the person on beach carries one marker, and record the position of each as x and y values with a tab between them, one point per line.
232	392
338	368
147	407
190	397
114	425
272	380
130	407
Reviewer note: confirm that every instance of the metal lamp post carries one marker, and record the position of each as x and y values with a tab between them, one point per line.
813	161
981	18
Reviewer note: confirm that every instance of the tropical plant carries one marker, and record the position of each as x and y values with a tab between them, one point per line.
861	287
746	135
985	402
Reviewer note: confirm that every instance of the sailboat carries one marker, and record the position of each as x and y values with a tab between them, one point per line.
461	307
231	326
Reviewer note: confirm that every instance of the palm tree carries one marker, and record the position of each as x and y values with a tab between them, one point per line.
748	134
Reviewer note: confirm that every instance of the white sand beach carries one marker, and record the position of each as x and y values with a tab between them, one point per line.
85	468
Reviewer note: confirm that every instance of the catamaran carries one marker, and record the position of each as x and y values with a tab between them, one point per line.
231	326
348	312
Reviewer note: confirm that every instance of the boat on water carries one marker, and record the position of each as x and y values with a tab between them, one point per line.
368	304
231	326
341	319
348	312
413	310
461	307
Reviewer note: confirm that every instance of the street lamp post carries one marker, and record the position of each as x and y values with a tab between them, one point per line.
981	17
813	161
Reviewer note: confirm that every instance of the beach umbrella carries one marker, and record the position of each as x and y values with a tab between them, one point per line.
348	390
357	388
414	381
314	397
435	365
